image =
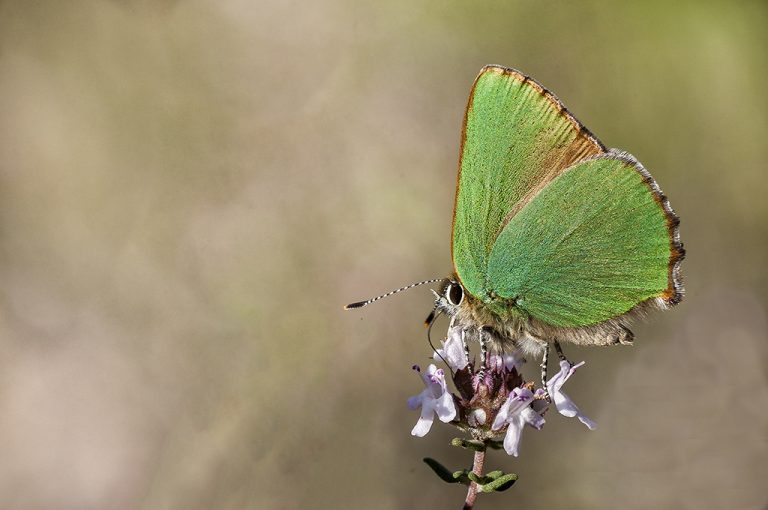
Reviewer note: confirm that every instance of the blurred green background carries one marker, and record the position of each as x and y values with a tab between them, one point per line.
190	190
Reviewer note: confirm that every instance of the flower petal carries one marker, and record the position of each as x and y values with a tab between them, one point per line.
423	425
501	416
415	401
532	418
517	400
426	418
445	408
434	379
453	351
563	402
591	425
512	438
435	399
557	381
565	405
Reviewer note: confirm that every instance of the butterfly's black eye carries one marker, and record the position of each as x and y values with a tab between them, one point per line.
454	293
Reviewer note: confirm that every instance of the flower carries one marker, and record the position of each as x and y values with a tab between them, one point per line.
563	402
435	399
454	351
515	413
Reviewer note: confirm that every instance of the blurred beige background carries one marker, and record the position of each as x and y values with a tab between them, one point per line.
190	190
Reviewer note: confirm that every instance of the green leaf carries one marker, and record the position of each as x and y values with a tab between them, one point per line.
500	484
462	476
492	475
469	444
446	475
477	479
496	445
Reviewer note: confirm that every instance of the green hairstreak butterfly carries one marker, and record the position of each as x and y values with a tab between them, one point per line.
555	237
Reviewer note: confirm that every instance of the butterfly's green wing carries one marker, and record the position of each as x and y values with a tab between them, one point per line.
547	223
595	242
517	137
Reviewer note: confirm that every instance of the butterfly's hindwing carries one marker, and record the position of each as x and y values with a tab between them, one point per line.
592	245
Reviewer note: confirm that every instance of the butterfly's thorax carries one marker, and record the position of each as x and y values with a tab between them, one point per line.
494	314
502	307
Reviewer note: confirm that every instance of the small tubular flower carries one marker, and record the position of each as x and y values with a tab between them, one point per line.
435	399
454	351
563	402
515	412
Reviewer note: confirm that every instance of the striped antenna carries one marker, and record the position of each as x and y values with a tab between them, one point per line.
367	302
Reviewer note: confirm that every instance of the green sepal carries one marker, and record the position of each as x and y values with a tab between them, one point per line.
500	484
469	444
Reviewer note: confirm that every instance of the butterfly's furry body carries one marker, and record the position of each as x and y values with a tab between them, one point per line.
529	334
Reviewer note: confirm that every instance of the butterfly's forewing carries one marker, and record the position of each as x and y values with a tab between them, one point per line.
517	137
594	243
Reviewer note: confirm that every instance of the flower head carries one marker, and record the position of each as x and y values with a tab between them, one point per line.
563	402
435	399
492	400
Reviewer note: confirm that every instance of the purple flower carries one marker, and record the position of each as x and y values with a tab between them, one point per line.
435	399
453	352
515	412
563	402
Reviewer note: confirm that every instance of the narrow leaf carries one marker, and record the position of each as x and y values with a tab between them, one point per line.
469	444
496	445
492	475
500	484
477	479
443	472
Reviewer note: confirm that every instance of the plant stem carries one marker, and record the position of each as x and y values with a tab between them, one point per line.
477	468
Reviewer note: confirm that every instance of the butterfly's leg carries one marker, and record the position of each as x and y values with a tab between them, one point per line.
483	352
464	343
560	352
544	362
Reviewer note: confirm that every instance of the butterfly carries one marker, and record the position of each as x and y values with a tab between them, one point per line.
555	237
